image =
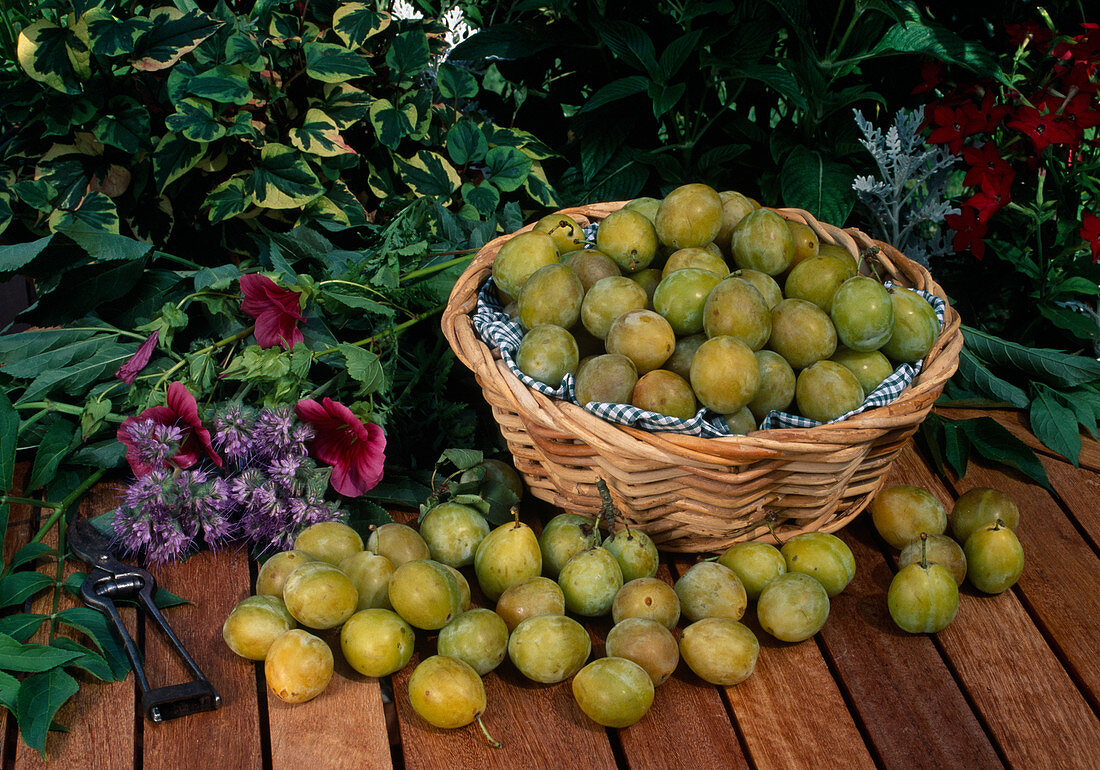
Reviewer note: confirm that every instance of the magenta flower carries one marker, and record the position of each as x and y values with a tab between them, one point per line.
277	311
180	411
130	370
356	451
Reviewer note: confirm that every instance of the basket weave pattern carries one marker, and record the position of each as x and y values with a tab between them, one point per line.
693	494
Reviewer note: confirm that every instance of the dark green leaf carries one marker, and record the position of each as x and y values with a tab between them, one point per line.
508	168
1085	405
465	143
994	442
15	656
631	44
194	119
97	628
9	431
408	54
93	416
455	83
332	63
218	278
22	626
224	84
665	97
1080	325
614	91
68	176
364	366
92	662
319	135
170	36
463	459
538	187
102	454
428	173
27	554
106	247
124	125
9	689
355	23
35	193
165	599
483	197
43	53
940	43
227	200
53	447
821	185
500	499
96	212
975	376
502	41
84	289
1055	424
392	124
40	697
282	179
677	52
356	302
956	447
174	157
1053	366
779	80
19	587
345	104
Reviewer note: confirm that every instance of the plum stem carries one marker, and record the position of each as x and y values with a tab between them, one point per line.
492	741
924	550
516	524
770	518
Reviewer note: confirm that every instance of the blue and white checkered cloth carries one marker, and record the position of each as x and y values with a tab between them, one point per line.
497	330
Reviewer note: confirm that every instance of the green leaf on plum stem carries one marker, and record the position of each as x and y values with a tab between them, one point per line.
21	586
995	442
1052	366
96	627
976	376
9	691
9	434
31	658
463	459
40	697
55	444
22	626
1055	424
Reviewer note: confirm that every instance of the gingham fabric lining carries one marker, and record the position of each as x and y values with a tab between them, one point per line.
497	330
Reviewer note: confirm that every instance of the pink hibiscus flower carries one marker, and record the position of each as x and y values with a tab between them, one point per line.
182	412
277	311
354	449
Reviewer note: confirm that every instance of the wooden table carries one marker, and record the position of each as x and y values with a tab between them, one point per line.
1013	681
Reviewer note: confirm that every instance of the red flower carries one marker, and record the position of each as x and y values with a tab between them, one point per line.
181	411
1044	128
1080	113
931	73
984	117
1090	231
994	196
949	126
129	371
1030	32
969	231
986	162
277	311
356	451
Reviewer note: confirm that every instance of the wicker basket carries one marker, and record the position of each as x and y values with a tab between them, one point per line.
694	494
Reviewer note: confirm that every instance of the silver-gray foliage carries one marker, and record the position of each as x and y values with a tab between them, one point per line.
906	201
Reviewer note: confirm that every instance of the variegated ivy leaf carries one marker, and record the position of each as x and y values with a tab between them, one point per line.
392	124
174	157
225	84
485	198
525	142
344	103
78	48
331	63
36	193
111	36
429	173
173	33
194	119
242	48
282	179
228	199
43	54
538	187
508	167
337	207
67	176
465	143
125	125
5	211
96	212
319	135
242	125
355	23
408	54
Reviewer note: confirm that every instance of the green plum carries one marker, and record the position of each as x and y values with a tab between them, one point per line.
923	598
425	594
756	564
298	666
915	326
690	215
647	598
589	582
793	607
724	374
446	692
377	642
902	512
634	551
711	590
613	692
994	558
720	651
608	299
628	238
534	596
762	241
551	295
980	506
737	309
549	648
822	556
329	541
547	353
319	595
801	332
825	390
862	313
681	296
646	642
453	532
519	257
254	624
477	637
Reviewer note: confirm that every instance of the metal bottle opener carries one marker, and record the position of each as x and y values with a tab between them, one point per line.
109	580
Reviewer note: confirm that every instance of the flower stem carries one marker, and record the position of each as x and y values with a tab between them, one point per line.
28	501
180	260
467	255
54	406
351	283
63	506
212	346
394	330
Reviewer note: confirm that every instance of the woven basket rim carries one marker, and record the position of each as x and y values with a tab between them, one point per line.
485	363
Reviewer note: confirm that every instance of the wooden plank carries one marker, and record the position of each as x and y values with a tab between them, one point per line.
1079	489
907	699
230	736
1060	585
686	727
1029	702
343	727
100	717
